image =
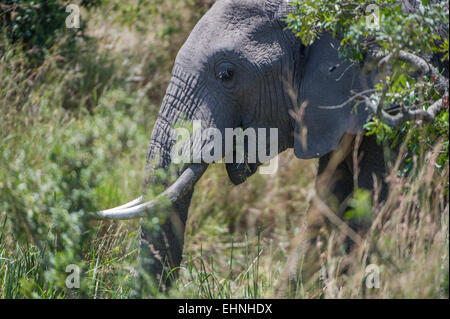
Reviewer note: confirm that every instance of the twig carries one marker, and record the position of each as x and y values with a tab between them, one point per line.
351	99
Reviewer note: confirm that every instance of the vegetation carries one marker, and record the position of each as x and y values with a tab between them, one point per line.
77	109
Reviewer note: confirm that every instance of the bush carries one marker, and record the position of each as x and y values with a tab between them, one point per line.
38	24
53	172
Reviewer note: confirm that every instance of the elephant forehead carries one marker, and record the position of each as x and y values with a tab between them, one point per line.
240	8
239	27
229	20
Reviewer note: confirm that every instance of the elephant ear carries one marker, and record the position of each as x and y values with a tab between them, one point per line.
323	116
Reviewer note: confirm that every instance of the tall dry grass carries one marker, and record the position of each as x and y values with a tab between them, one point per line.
239	238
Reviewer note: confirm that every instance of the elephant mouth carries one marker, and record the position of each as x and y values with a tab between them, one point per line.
239	172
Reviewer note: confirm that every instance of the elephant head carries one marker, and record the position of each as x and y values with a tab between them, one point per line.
241	68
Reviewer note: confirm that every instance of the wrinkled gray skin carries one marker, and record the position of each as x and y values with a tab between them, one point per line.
272	73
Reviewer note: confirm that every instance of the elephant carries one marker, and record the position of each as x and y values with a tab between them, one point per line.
242	68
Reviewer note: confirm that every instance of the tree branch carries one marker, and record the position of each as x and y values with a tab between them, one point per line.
405	115
425	68
441	84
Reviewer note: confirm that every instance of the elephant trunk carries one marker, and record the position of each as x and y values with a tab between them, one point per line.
162	238
181	99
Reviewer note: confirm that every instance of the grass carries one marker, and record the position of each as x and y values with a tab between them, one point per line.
73	139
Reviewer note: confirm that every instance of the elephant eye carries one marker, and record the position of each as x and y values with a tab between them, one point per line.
226	75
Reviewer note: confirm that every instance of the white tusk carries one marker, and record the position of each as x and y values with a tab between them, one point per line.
184	183
133	203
